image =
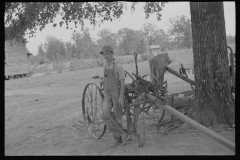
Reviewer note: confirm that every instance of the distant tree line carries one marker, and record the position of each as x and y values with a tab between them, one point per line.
230	39
125	41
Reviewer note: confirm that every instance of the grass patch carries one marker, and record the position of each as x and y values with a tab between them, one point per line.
81	64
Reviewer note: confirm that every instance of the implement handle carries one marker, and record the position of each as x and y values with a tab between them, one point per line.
220	139
180	76
135	59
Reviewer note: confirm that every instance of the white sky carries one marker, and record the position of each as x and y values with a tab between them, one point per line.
131	20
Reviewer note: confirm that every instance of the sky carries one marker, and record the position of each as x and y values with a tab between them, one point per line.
133	20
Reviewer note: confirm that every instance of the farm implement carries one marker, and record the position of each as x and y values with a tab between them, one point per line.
146	100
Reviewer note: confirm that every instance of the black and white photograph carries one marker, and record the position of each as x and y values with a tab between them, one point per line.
119	78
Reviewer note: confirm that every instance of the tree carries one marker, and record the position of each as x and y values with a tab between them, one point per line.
181	29
176	29
86	43
230	39
83	46
162	39
187	32
26	18
126	40
214	101
55	48
41	55
149	29
139	42
69	50
89	46
77	40
106	37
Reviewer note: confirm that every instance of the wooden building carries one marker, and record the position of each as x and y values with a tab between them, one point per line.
16	60
155	50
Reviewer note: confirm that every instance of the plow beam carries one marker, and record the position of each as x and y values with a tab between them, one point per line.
170	70
220	139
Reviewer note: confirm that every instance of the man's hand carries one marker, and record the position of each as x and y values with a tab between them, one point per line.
101	82
121	102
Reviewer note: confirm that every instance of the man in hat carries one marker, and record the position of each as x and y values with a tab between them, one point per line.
114	87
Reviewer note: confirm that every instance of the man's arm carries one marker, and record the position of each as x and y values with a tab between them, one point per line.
121	76
121	95
122	88
102	80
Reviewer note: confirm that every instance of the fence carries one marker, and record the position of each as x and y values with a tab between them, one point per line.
177	85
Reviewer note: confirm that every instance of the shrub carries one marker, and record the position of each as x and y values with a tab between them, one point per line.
144	57
58	65
75	65
33	70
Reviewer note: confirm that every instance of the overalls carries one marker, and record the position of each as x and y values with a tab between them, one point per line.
111	94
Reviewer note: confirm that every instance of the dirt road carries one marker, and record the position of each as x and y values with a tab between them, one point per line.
43	117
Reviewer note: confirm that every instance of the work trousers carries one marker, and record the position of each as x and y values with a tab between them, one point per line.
111	95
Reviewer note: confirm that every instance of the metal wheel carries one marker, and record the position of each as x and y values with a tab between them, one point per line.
92	100
153	114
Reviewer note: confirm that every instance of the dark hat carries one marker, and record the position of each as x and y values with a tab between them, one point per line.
107	48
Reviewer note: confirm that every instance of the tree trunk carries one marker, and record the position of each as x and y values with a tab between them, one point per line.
214	102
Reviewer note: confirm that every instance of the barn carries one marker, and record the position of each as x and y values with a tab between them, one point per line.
16	60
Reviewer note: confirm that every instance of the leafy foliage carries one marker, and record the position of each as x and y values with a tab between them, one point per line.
26	18
58	64
149	30
54	48
125	41
163	40
126	37
41	54
69	50
230	39
181	30
107	38
153	7
74	65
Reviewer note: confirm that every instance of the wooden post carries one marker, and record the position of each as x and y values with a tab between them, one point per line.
220	139
135	58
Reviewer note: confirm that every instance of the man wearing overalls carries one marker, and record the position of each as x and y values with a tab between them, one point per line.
114	87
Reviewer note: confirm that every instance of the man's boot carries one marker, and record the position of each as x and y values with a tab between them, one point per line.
124	138
115	142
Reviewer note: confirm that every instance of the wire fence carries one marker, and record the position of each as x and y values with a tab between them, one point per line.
177	85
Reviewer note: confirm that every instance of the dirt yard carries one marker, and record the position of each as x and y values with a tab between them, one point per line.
43	117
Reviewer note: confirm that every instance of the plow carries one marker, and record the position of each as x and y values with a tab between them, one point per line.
146	100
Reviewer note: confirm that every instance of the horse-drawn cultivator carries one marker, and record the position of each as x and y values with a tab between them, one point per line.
146	101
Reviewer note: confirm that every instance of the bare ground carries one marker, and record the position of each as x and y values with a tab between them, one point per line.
43	117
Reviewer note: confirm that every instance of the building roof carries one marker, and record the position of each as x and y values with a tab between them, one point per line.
154	47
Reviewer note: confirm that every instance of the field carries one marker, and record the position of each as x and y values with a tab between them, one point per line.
43	117
178	56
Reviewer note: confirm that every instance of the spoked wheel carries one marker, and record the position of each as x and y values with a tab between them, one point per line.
153	114
92	100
